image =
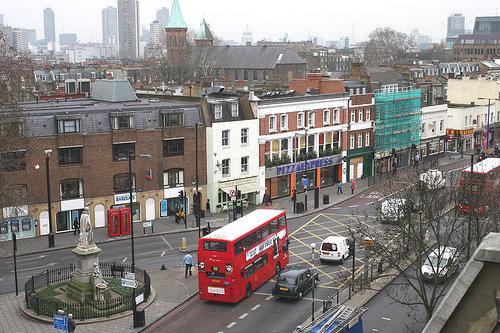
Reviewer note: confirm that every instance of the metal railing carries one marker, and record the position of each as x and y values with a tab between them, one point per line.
38	292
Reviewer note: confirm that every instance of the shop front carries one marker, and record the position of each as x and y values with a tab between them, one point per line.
432	146
321	172
70	212
360	163
248	187
458	140
172	201
16	221
123	200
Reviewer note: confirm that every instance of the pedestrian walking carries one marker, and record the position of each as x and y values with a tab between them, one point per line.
416	159
294	199
177	216
209	229
394	167
339	187
71	324
353	186
207	207
188	263
76	227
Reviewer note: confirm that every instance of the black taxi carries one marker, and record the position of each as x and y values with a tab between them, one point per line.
294	282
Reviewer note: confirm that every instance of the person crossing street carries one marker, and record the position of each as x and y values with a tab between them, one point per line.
188	263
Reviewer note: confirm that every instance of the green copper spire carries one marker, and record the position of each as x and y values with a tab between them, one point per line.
204	32
176	20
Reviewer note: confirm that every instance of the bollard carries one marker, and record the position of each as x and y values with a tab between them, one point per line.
183	243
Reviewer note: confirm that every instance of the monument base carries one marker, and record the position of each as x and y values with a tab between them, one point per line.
80	292
86	257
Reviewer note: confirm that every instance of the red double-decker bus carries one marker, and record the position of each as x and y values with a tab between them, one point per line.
476	186
238	258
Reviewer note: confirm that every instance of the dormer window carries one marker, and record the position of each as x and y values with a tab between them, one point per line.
120	122
69	126
218	111
234	110
172	119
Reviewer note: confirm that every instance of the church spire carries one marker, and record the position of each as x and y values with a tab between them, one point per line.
176	20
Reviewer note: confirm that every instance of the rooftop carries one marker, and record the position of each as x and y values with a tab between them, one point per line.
176	20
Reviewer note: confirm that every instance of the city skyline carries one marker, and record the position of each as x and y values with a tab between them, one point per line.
331	23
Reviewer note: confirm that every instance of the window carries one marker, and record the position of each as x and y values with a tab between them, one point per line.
245	75
360	140
326	117
122	150
218	111
311	118
360	115
71	189
234	110
274	225
367	114
353	117
225	167
122	122
300	119
121	184
284	122
69	126
422	128
265	231
272	123
173	178
69	156
172	119
13	161
244	164
367	139
215	246
244	136
255	75
174	147
351	141
225	138
336	116
236	76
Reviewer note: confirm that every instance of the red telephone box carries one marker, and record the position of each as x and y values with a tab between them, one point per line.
125	221
113	222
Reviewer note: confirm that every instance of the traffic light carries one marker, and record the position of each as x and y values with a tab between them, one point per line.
238	194
149	174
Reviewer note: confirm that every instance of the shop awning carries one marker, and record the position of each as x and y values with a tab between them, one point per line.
244	188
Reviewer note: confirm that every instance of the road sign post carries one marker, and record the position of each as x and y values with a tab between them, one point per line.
60	322
128	283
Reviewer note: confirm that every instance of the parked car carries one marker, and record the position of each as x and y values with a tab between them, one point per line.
440	264
334	248
392	209
433	179
294	282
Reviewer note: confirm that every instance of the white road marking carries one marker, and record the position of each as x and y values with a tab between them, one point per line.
231	325
374	330
162	254
384	318
269	297
353	206
168	244
256	307
32	268
336	208
243	315
27	259
125	259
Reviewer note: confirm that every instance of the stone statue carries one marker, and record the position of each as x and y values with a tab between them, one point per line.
97	274
87	235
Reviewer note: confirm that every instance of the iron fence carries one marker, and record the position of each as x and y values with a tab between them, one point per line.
38	292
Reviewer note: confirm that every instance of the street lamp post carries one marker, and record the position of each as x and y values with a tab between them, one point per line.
313	247
49	201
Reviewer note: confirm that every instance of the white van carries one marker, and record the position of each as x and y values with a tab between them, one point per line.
392	209
334	248
433	179
441	261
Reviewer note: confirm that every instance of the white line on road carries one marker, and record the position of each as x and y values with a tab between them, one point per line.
256	307
231	325
162	254
374	330
38	267
336	208
353	206
168	244
384	318
269	297
27	259
243	315
125	259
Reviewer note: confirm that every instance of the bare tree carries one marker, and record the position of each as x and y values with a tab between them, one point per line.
15	71
418	223
386	46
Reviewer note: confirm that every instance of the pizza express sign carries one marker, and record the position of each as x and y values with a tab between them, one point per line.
301	166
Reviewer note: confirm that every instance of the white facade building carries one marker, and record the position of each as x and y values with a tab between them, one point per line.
433	125
232	152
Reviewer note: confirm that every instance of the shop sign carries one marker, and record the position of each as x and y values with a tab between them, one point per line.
124	198
301	166
454	132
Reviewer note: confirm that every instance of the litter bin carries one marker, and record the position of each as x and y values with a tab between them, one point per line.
300	207
140	318
326	199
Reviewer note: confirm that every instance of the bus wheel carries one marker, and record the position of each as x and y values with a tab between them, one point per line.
278	268
248	290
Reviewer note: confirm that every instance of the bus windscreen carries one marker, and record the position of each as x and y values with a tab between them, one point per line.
215	246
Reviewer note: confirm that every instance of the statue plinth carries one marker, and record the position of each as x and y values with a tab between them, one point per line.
86	257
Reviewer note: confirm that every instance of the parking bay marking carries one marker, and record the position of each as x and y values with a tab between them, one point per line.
231	324
255	307
243	315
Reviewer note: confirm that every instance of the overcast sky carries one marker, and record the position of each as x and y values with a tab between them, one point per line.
269	19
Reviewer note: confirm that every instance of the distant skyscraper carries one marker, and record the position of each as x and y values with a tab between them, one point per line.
247	37
456	26
49	25
487	25
156	31
68	39
128	29
162	16
1	19
110	26
31	36
20	40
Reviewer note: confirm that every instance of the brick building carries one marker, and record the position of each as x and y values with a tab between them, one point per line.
88	139
476	47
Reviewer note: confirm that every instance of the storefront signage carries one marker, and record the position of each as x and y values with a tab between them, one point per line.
454	132
124	198
301	166
237	182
